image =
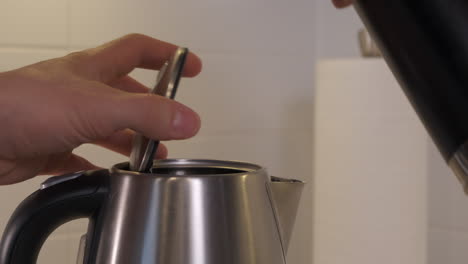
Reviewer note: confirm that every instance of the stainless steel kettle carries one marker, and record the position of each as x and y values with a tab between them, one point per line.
184	211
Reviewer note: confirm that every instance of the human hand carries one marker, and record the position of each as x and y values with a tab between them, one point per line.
342	3
49	108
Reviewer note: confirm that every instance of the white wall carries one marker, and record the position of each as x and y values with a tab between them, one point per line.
447	204
336	31
255	94
370	172
448	214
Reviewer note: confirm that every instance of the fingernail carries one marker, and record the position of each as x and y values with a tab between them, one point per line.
186	123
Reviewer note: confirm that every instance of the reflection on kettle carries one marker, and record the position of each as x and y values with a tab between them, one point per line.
184	211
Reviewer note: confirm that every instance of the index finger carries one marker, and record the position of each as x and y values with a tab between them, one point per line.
342	3
119	57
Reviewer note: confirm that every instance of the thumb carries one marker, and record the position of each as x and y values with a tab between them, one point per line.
154	116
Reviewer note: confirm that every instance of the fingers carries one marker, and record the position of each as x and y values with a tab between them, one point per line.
121	142
119	57
14	171
154	116
342	3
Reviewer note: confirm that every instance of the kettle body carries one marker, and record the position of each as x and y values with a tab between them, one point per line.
184	211
425	43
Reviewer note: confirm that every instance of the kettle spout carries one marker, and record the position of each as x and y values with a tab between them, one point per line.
286	194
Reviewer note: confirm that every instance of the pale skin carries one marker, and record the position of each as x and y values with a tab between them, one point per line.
342	3
49	108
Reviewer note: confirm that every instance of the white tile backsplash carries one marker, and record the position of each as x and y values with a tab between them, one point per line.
61	247
34	23
273	27
336	35
447	246
12	58
283	152
448	214
448	203
243	92
277	27
95	22
11	196
237	93
371	168
57	249
254	95
76	226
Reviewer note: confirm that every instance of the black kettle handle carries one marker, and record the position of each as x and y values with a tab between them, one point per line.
60	199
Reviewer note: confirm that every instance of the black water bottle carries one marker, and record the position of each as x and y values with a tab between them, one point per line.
425	43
